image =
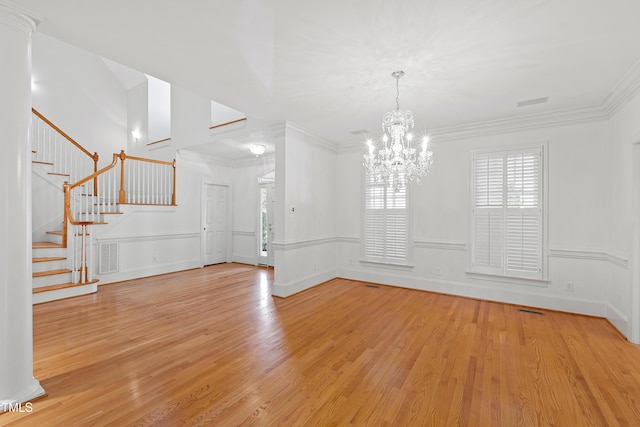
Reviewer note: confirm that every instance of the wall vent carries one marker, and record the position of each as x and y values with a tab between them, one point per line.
109	253
532	101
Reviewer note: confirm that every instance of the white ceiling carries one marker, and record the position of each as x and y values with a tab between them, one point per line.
326	65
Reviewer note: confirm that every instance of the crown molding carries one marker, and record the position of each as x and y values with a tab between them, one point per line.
255	161
622	92
202	158
28	19
520	123
318	140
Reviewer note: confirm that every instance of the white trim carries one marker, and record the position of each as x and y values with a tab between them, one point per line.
448	246
520	123
146	237
136	273
243	233
520	295
28	18
254	161
193	156
287	246
288	289
387	265
352	240
244	260
623	91
511	280
316	139
617	319
590	254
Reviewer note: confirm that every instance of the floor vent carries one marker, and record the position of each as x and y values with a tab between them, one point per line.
371	286
524	310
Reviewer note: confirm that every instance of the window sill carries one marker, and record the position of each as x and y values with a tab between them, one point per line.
513	280
388	265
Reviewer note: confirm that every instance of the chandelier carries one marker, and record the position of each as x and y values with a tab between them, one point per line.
394	160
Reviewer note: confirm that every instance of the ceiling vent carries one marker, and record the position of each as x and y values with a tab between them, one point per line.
359	132
532	101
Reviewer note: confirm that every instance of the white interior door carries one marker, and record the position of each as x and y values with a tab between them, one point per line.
215	224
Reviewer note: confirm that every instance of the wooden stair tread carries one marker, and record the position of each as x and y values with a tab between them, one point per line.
40	162
40	245
57	233
48	259
51	272
58	174
61	286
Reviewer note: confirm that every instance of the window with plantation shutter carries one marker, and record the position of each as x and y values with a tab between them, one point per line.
506	220
385	225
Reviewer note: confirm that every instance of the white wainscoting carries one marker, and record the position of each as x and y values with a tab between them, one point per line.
149	255
245	250
303	264
439	266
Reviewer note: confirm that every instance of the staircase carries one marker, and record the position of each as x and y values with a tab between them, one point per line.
76	196
53	274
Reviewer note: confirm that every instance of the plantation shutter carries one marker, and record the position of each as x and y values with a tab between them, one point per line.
488	214
524	215
507	213
385	223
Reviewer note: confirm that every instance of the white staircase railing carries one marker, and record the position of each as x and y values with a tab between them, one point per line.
53	147
138	181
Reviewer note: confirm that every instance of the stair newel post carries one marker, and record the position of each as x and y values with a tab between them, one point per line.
67	209
123	193
173	194
95	169
83	255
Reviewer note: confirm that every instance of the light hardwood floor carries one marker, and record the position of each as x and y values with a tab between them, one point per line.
212	347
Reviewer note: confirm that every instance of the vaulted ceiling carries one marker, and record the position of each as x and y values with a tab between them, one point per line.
326	65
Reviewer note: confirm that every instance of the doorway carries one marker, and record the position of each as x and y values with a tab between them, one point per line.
265	224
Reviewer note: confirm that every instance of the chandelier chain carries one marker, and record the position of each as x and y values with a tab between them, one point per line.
398	93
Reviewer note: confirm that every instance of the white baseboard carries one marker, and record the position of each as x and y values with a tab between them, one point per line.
244	259
288	289
618	319
148	271
520	296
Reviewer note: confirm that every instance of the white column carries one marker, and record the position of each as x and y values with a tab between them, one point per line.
17	383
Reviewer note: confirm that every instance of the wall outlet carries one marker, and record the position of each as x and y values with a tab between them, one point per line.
154	259
438	271
569	287
350	261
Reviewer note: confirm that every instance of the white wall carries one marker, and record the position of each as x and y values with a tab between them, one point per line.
623	293
77	92
579	175
305	202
